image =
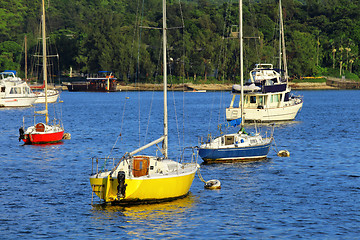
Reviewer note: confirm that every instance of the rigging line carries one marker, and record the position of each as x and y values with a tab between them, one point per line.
174	101
223	50
181	14
149	116
223	46
134	37
176	120
121	126
210	117
152	98
183	71
138	70
255	28
170	77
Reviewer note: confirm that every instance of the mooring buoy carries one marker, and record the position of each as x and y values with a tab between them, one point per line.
213	184
283	153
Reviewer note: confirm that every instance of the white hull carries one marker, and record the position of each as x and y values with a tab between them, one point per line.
17	102
51	97
286	113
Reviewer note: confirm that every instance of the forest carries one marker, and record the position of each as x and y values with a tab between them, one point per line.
322	37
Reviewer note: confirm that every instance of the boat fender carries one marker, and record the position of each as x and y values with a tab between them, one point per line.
122	186
213	184
283	153
21	133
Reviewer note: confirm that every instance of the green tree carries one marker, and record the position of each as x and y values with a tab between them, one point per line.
302	53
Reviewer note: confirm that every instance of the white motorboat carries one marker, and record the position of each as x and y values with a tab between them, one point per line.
14	92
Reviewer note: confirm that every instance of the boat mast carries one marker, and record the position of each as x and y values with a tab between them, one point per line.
165	142
44	60
241	62
280	33
25	58
283	42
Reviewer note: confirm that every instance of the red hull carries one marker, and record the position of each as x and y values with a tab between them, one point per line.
42	138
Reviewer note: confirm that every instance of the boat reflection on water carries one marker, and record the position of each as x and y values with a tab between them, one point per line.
146	211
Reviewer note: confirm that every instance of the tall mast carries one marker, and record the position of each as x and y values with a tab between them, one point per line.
280	34
44	60
165	142
283	43
25	58
241	61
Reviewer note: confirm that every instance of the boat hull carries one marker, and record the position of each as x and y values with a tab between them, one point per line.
212	155
43	138
92	86
17	102
265	115
143	189
51	97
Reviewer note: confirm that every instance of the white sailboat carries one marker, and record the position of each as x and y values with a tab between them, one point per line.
146	178
239	146
267	96
43	133
52	96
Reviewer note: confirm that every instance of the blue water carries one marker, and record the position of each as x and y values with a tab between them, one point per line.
313	194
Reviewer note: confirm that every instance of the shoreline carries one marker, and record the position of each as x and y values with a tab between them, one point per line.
214	87
209	87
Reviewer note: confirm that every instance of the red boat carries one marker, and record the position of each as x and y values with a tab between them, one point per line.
41	134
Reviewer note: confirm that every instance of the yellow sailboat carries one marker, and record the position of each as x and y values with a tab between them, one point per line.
146	178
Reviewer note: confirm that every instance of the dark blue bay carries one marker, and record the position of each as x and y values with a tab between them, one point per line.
313	194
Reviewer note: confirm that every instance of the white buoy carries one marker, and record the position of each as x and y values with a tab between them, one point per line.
213	184
283	153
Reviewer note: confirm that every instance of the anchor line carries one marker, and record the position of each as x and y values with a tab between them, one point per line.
200	177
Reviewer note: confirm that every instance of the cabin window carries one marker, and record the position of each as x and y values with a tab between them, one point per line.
274	98
246	100
26	90
261	100
2	89
229	140
252	99
15	90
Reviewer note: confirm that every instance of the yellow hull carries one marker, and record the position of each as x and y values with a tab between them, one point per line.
143	188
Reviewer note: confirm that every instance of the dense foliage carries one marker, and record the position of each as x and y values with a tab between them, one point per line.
322	36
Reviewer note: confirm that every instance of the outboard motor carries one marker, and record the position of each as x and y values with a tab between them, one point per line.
21	133
122	186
